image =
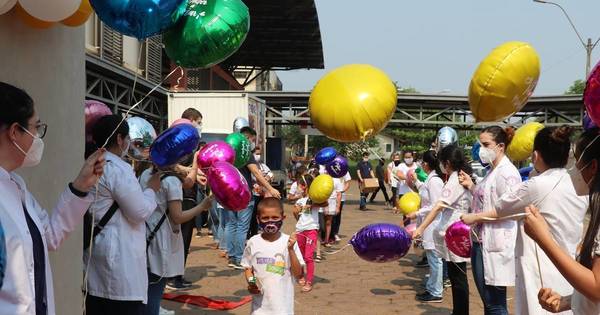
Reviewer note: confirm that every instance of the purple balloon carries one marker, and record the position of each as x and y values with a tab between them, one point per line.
588	123
229	186
381	242
215	151
591	95
325	155
338	167
94	110
458	239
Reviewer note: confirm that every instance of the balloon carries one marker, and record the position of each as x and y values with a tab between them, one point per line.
208	33
446	136
229	186
241	145
352	103
240	123
411	228
325	155
6	5
409	203
80	16
458	239
216	151
381	242
503	82
142	135
524	172
181	121
174	144
421	175
591	95
337	168
94	110
521	146
139	18
475	151
31	20
588	123
409	177
50	11
321	188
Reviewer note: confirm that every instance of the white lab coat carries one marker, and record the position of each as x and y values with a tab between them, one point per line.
122	242
553	193
430	191
497	238
17	295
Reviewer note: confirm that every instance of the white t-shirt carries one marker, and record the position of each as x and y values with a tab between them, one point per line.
402	186
309	217
270	262
338	187
346	179
392	169
293	189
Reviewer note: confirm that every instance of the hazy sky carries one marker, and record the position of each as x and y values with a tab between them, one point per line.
435	45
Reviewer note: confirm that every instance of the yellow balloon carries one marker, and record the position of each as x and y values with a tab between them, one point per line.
321	188
503	82
352	103
409	203
80	16
521	146
30	20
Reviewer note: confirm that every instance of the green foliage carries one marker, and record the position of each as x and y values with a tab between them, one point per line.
410	89
576	88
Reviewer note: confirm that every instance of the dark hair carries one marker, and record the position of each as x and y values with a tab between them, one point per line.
500	135
16	106
191	114
411	153
455	156
104	128
365	154
554	144
430	157
269	202
592	153
305	180
249	131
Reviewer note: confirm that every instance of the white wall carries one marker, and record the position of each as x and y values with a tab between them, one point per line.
50	66
383	141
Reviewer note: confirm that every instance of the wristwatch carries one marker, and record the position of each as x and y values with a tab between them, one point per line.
251	280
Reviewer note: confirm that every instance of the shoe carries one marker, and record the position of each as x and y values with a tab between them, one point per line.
198	234
162	311
307	287
235	265
447	283
422	264
186	283
337	238
318	258
176	284
428	298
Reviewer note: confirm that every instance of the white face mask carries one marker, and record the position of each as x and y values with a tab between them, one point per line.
408	161
257	157
33	156
487	155
582	188
443	169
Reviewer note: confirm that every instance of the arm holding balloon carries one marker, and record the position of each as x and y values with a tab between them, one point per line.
262	180
428	219
178	216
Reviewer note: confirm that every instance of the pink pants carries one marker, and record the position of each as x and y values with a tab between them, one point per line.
307	241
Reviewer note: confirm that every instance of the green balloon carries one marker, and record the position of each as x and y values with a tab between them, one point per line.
241	145
421	175
209	32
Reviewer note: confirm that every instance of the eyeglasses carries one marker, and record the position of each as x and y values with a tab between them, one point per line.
40	128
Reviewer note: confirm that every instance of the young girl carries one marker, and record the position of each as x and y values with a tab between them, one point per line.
582	274
307	230
455	201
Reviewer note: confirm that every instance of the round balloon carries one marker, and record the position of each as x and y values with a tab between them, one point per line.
229	186
216	151
80	16
588	123
50	11
381	242
241	145
321	188
352	103
93	111
409	203
446	136
421	175
521	146
325	155
181	121
240	123
337	168
174	144
503	82
6	5
458	239
139	18
142	135
30	20
410	177
208	33
475	151
591	95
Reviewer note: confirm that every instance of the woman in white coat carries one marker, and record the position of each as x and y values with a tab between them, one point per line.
30	231
493	251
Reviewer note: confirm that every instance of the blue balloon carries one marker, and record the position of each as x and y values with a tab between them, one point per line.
475	151
381	242
174	144
338	167
325	155
139	18
525	172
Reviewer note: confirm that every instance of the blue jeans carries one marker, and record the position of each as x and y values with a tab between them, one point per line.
494	298
214	220
156	288
435	282
236	230
222	223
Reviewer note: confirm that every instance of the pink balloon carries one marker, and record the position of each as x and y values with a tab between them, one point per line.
181	121
229	186
215	151
591	95
409	177
411	228
458	239
94	110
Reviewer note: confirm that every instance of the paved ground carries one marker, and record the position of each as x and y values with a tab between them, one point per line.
345	284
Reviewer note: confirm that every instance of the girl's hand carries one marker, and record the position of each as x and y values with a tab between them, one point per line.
550	300
469	218
535	225
417	234
465	180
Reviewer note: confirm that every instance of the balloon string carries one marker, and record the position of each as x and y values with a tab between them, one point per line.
137	72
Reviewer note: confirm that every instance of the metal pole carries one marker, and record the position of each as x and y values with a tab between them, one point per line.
306	145
588	50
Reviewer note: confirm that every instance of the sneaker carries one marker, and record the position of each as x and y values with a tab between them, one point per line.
176	284
231	264
198	234
428	298
337	238
162	311
186	283
447	283
238	266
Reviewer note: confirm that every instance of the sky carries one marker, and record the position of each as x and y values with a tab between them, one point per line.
436	45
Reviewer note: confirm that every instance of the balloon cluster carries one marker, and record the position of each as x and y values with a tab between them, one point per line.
45	14
336	165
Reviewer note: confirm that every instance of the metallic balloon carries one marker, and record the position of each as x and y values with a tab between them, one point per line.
446	136
240	123
209	32
421	175
174	144
229	186
524	172
325	155
381	242
458	239
409	202
241	145
521	145
337	168
410	175
94	110
142	135
321	188
475	151
139	18
591	95
588	123
215	151
80	16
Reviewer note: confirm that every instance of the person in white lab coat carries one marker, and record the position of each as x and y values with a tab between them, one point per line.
552	192
113	287
29	230
493	249
584	273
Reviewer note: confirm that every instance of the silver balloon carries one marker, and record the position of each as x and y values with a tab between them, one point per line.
142	134
240	123
445	137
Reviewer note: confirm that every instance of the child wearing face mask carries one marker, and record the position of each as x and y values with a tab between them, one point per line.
401	172
272	260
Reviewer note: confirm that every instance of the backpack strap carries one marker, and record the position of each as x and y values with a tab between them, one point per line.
99	226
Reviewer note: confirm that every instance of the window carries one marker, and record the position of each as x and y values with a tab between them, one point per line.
388	147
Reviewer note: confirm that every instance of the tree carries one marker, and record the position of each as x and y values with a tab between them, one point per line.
410	89
576	88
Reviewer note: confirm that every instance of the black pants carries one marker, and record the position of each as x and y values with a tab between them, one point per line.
187	229
394	196
457	272
100	306
383	190
337	220
253	230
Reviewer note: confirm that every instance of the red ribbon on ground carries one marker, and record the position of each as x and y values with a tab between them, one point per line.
203	301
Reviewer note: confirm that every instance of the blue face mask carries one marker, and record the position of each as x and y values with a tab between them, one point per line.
270	227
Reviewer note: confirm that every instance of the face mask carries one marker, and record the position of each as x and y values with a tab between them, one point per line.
252	146
396	163
270	227
443	169
582	187
199	128
487	155
257	157
33	156
408	161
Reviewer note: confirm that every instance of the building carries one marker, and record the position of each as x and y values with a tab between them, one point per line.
387	145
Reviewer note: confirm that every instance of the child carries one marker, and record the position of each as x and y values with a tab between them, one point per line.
271	259
307	228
